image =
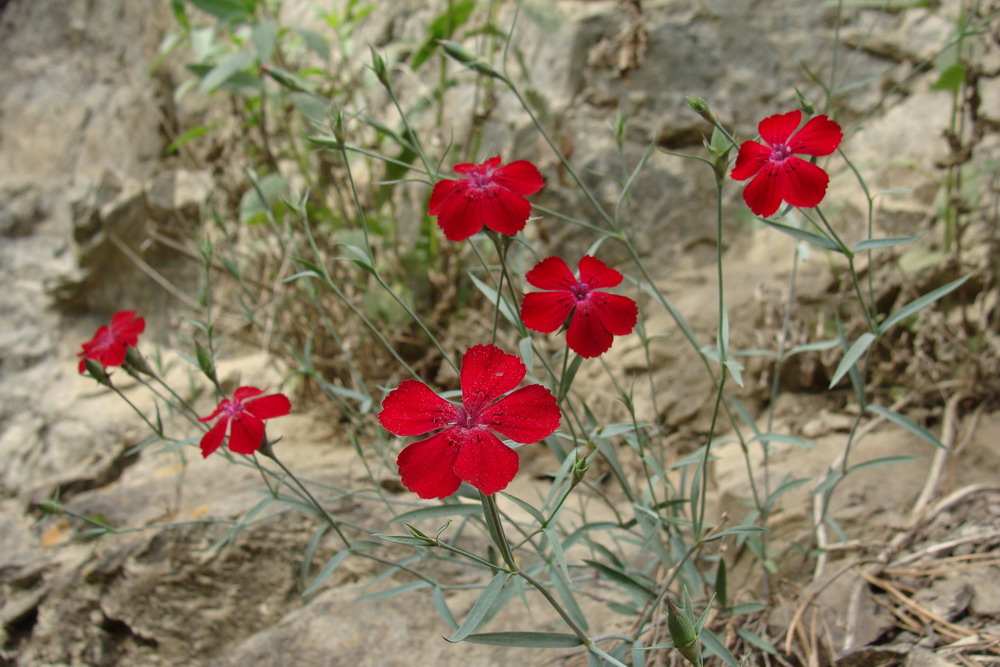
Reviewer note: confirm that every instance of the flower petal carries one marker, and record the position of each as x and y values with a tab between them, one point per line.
213	438
487	166
246	434
802	183
751	158
546	311
485	462
520	177
443	191
763	193
243	393
426	467
413	408
502	210
488	372
617	313
126	327
596	273
587	335
527	415
776	129
113	354
551	273
223	404
458	211
268	407
820	136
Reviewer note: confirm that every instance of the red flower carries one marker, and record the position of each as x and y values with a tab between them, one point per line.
246	415
596	316
110	343
489	194
466	449
778	174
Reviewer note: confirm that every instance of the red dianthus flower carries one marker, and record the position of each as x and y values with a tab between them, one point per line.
489	195
465	448
778	174
110	343
245	414
597	317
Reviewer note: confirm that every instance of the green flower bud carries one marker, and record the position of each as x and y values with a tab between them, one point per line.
96	371
469	58
683	635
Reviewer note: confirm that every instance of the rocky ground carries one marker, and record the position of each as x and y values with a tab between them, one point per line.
87	199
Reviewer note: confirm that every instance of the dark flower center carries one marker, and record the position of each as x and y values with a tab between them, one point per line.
780	152
580	291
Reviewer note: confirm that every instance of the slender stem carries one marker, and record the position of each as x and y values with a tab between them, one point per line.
577	630
492	515
319	507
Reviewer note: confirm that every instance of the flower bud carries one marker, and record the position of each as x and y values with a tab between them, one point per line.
682	634
51	506
205	362
380	68
96	371
469	58
134	361
579	469
700	107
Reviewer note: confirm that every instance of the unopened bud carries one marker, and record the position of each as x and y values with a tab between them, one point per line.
469	58
682	634
579	469
700	107
51	507
380	69
134	361
96	371
205	362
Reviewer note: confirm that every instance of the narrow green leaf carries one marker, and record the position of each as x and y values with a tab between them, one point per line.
481	607
886	460
803	235
874	244
562	586
535	514
754	640
327	570
227	67
405	539
747	608
524	347
921	302
951	78
438	511
781	437
310	552
437	597
526	639
721	588
264	36
853	354
224	10
812	347
398	590
735	530
491	296
624	580
315	43
900	420
714	646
